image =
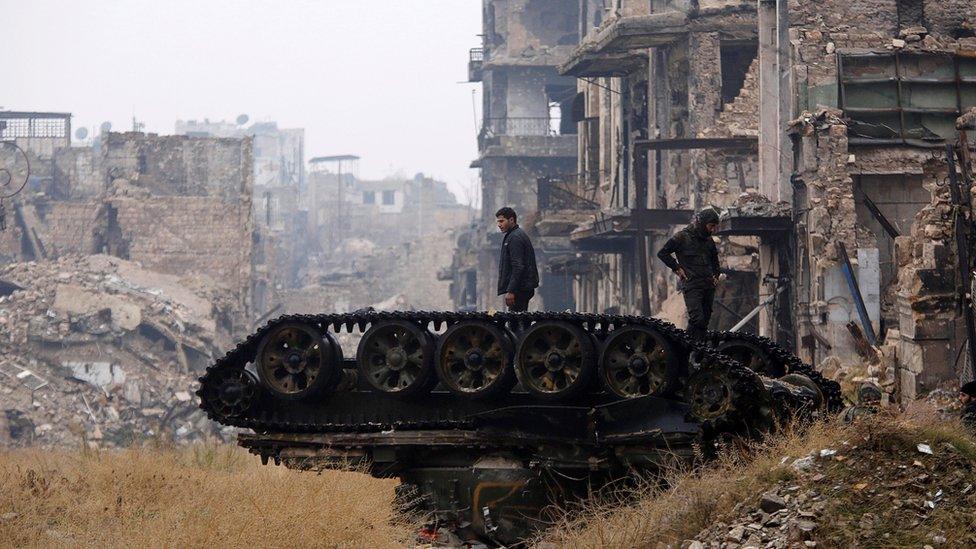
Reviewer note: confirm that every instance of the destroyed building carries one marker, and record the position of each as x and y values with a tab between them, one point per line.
175	204
527	132
819	129
126	269
279	225
129	265
376	242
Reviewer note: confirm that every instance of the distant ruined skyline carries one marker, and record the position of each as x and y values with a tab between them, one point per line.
378	79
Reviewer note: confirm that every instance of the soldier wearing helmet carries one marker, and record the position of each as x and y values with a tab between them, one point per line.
692	255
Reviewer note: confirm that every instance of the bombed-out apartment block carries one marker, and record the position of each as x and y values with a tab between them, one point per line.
526	133
278	212
820	130
175	204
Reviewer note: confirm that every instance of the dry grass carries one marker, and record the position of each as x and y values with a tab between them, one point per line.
695	500
193	497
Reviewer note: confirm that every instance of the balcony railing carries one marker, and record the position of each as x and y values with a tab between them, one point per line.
563	192
520	127
476	59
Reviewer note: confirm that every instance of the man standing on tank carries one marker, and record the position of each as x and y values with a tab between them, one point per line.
697	268
518	276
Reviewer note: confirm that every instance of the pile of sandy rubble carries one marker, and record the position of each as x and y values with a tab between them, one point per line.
98	350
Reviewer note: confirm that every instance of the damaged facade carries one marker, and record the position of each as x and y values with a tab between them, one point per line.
819	131
131	264
527	133
127	267
172	203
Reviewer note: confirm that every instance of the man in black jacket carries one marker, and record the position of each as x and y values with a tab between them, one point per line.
518	276
697	266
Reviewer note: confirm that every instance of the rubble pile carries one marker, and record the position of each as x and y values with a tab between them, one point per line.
96	349
753	204
883	486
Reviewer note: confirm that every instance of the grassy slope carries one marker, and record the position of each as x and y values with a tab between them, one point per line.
205	496
879	471
196	497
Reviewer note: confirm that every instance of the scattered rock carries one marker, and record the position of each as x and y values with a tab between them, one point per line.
772	502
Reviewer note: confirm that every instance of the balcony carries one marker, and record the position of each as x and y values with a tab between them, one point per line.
525	137
564	192
476	60
564	204
520	126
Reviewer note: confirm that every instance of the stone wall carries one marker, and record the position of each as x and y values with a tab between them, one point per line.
69	227
176	204
927	328
179	165
181	235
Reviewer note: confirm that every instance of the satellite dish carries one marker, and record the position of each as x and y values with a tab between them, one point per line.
242	119
81	133
105	127
14	169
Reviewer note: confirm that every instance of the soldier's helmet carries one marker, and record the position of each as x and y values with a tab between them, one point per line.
706	216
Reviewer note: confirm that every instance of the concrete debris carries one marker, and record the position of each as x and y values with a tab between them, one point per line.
753	204
874	487
118	347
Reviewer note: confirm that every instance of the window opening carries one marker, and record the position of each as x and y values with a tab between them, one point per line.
905	97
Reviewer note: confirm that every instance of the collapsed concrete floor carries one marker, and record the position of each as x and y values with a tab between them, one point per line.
98	350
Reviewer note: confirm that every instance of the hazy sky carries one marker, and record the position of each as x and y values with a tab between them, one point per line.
375	78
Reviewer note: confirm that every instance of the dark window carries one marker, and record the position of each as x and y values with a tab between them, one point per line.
369	197
904	97
389	198
911	13
735	65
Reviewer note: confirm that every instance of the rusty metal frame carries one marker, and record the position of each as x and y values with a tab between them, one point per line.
845	79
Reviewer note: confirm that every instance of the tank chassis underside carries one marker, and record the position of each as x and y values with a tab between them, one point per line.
490	419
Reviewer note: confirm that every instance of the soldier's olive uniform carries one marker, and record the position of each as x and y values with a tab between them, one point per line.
697	255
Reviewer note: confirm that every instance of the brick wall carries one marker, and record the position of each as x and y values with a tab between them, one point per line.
69	227
185	235
180	165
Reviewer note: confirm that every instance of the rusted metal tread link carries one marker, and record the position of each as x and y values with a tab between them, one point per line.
790	363
270	418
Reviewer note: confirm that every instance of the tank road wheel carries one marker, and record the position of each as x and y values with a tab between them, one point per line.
229	391
637	361
751	356
397	357
474	359
295	361
710	393
555	360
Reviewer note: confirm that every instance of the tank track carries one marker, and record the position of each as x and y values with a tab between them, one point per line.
790	362
747	385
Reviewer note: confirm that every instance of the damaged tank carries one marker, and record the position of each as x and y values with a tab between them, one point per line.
489	418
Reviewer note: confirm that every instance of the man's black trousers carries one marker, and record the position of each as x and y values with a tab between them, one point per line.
698	302
522	298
